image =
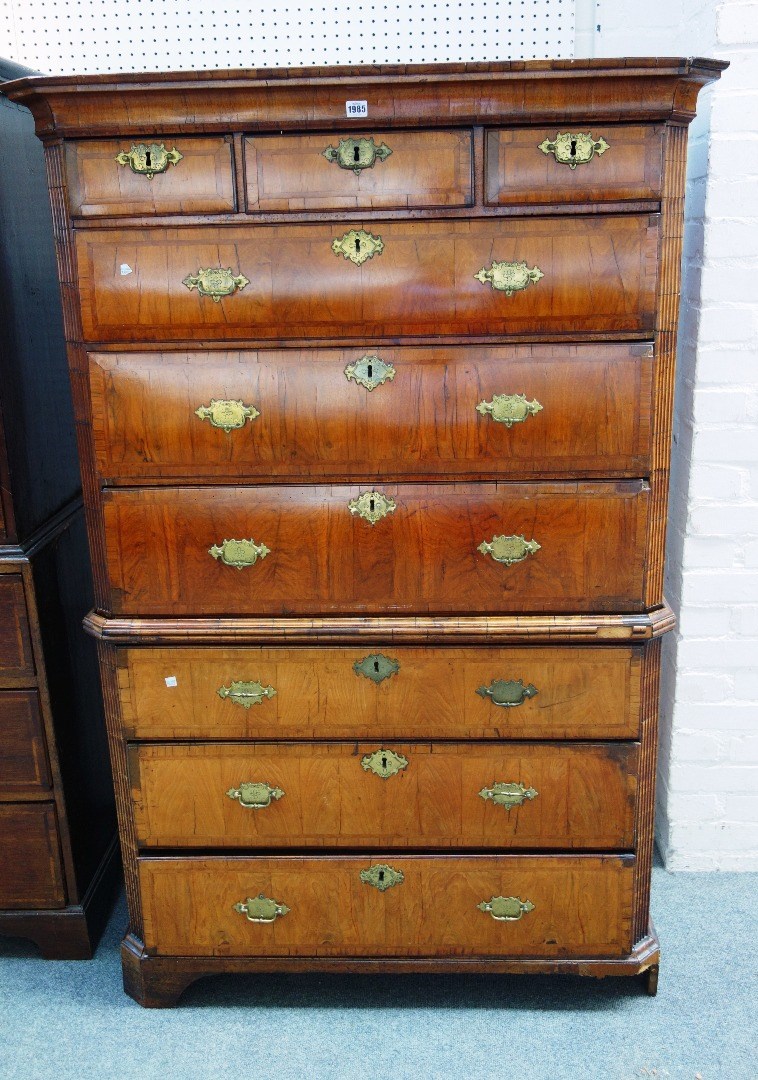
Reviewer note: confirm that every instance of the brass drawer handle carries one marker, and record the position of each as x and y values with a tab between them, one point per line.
372	506
384	763
357	246
508	549
382	877
574	149
376	667
507	693
261	909
226	414
215	281
147	159
246	694
508	795
239	553
509	409
356	154
370	372
255	795
506	908
509	277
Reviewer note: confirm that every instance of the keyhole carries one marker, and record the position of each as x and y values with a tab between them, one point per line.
376	666
356	153
148	160
370	370
384	762
573	147
381	875
358	244
371	504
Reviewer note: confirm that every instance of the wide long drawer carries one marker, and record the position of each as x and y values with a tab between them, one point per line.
465	795
381	692
579	275
512	410
481	905
442	548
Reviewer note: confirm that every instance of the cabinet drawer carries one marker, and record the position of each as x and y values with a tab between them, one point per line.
509	409
200	182
535	165
16	659
516	795
598	275
381	692
31	874
569	906
23	757
385	169
443	548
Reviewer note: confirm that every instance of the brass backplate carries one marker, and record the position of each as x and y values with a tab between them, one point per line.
509	409
356	154
370	371
384	763
254	795
508	795
376	667
215	281
239	553
382	877
246	694
226	414
147	159
509	277
574	148
358	246
508	549
372	506
506	908
261	909
507	693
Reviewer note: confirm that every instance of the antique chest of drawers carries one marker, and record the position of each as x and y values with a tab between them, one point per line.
375	421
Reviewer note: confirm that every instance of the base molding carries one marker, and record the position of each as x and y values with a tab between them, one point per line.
157	982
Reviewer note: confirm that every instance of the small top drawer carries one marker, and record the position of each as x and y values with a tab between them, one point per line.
323	172
16	659
591	163
117	177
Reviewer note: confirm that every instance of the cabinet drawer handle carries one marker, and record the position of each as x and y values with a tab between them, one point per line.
372	506
506	908
508	795
384	763
370	371
508	409
239	553
376	667
507	693
147	159
226	414
261	909
508	549
215	281
246	694
572	149
254	795
356	154
509	277
382	877
357	246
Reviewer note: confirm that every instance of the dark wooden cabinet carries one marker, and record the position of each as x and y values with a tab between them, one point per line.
58	853
375	438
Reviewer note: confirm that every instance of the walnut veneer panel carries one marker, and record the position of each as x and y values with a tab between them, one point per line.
599	276
595	418
422	557
30	857
425	168
582	906
23	762
16	658
582	693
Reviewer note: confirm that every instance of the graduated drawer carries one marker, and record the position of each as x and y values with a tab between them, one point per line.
379	169
31	874
599	275
23	756
552	905
201	181
609	162
443	548
516	795
16	658
508	409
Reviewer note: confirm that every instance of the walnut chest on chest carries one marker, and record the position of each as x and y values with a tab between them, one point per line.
375	419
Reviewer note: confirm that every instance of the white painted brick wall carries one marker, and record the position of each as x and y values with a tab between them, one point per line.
708	777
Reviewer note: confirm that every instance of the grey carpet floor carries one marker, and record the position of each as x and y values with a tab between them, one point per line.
60	1021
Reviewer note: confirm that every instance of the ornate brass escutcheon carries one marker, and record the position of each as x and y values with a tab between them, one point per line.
384	763
508	549
246	694
358	246
226	414
372	506
255	795
261	909
239	553
147	159
574	149
370	372
382	877
509	409
356	154
509	277
507	692
506	908
508	795
215	281
376	667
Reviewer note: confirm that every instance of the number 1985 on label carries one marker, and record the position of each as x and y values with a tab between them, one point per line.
356	108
